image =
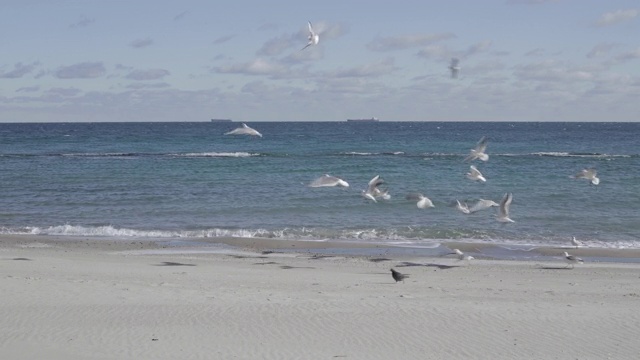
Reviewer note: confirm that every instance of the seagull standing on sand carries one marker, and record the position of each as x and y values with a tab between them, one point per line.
503	215
423	202
575	242
244	130
475	174
589	174
328	180
453	66
479	151
461	256
398	276
314	38
571	260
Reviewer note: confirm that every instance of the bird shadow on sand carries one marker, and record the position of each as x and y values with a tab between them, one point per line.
439	266
171	263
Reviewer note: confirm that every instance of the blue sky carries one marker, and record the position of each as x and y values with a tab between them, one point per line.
155	60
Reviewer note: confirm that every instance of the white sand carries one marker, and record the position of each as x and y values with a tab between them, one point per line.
84	300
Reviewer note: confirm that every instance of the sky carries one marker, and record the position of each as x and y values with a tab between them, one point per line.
193	60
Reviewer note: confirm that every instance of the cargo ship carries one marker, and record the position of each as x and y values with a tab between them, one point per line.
373	119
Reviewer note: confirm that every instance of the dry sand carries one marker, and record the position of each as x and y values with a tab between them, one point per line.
103	299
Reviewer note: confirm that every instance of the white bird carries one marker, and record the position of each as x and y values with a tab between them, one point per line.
482	204
422	202
314	38
328	180
589	174
374	192
475	174
575	242
453	66
503	216
571	259
244	130
461	256
463	207
479	151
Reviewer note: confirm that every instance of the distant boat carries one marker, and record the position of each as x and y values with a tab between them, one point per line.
221	120
373	119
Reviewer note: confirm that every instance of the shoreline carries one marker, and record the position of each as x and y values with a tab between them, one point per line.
487	251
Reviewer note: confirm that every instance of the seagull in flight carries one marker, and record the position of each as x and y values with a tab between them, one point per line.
503	215
314	38
571	259
422	202
453	66
482	204
328	180
373	191
244	130
475	174
479	151
589	174
463	207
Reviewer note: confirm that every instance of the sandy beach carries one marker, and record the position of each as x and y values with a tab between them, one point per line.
112	299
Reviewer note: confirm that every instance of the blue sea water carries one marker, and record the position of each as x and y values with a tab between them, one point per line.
189	180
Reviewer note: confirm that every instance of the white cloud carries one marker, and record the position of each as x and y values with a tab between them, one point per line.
223	39
616	17
600	49
85	70
151	74
83	22
255	67
19	70
368	70
631	55
401	42
141	43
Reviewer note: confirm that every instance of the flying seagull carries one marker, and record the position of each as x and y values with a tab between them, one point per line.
453	66
571	259
422	202
328	180
479	151
244	130
398	276
373	191
475	174
463	207
589	174
314	38
503	216
482	204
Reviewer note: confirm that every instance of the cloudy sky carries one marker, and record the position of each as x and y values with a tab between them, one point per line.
192	60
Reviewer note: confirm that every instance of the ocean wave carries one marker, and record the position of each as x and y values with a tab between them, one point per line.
405	236
569	154
218	154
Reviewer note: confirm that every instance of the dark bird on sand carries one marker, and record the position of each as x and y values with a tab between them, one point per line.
398	276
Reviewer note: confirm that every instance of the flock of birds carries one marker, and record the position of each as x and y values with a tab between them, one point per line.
374	191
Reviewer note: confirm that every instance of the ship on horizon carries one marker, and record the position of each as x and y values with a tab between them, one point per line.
372	119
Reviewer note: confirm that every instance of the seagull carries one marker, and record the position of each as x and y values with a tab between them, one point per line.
244	130
589	174
575	242
479	151
571	259
314	38
503	216
423	202
328	180
398	276
461	256
374	192
463	207
454	67
475	174
482	204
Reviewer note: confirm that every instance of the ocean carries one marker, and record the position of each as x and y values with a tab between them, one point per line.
187	180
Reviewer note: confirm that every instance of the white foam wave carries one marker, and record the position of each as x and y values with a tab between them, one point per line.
219	154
